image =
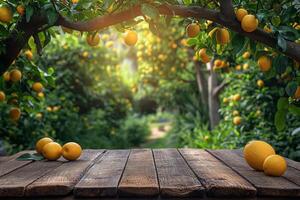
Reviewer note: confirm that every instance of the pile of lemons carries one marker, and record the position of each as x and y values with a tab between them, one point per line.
261	156
52	150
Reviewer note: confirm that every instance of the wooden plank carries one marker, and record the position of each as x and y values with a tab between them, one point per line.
218	179
10	163
139	177
61	180
175	177
14	183
265	185
293	164
292	174
103	177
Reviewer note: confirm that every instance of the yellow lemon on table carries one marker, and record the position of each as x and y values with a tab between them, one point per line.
255	153
274	165
52	151
71	151
41	143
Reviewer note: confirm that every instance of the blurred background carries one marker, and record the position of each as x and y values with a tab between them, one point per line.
156	94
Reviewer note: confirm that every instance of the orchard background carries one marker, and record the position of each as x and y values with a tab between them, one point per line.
110	74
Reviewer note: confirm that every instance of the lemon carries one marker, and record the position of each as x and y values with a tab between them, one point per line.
93	40
5	14
260	83
264	63
15	75
37	87
71	151
204	57
255	153
241	13
297	93
222	36
249	23
193	30
15	114
41	143
6	76
21	10
237	120
274	165
2	96
131	38
52	151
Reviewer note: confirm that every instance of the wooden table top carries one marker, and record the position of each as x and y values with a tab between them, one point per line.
157	173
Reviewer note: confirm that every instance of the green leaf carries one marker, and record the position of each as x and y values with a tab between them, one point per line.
280	120
28	156
29	13
239	44
52	16
281	42
294	109
291	88
280	64
283	103
192	41
149	11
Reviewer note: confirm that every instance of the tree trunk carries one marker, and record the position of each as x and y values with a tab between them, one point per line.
202	85
213	100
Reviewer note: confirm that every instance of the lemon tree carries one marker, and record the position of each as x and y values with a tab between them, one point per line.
229	39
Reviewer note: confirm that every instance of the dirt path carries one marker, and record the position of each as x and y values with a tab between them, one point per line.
158	132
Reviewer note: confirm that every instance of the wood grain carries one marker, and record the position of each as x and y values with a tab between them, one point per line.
265	185
139	177
218	179
175	177
62	180
10	163
14	183
103	177
293	164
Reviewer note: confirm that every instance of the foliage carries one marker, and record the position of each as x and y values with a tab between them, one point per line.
79	106
87	96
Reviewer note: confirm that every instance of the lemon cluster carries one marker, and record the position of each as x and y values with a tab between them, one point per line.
52	150
261	156
249	22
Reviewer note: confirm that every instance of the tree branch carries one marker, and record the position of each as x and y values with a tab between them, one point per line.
16	41
219	88
38	44
227	11
225	17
